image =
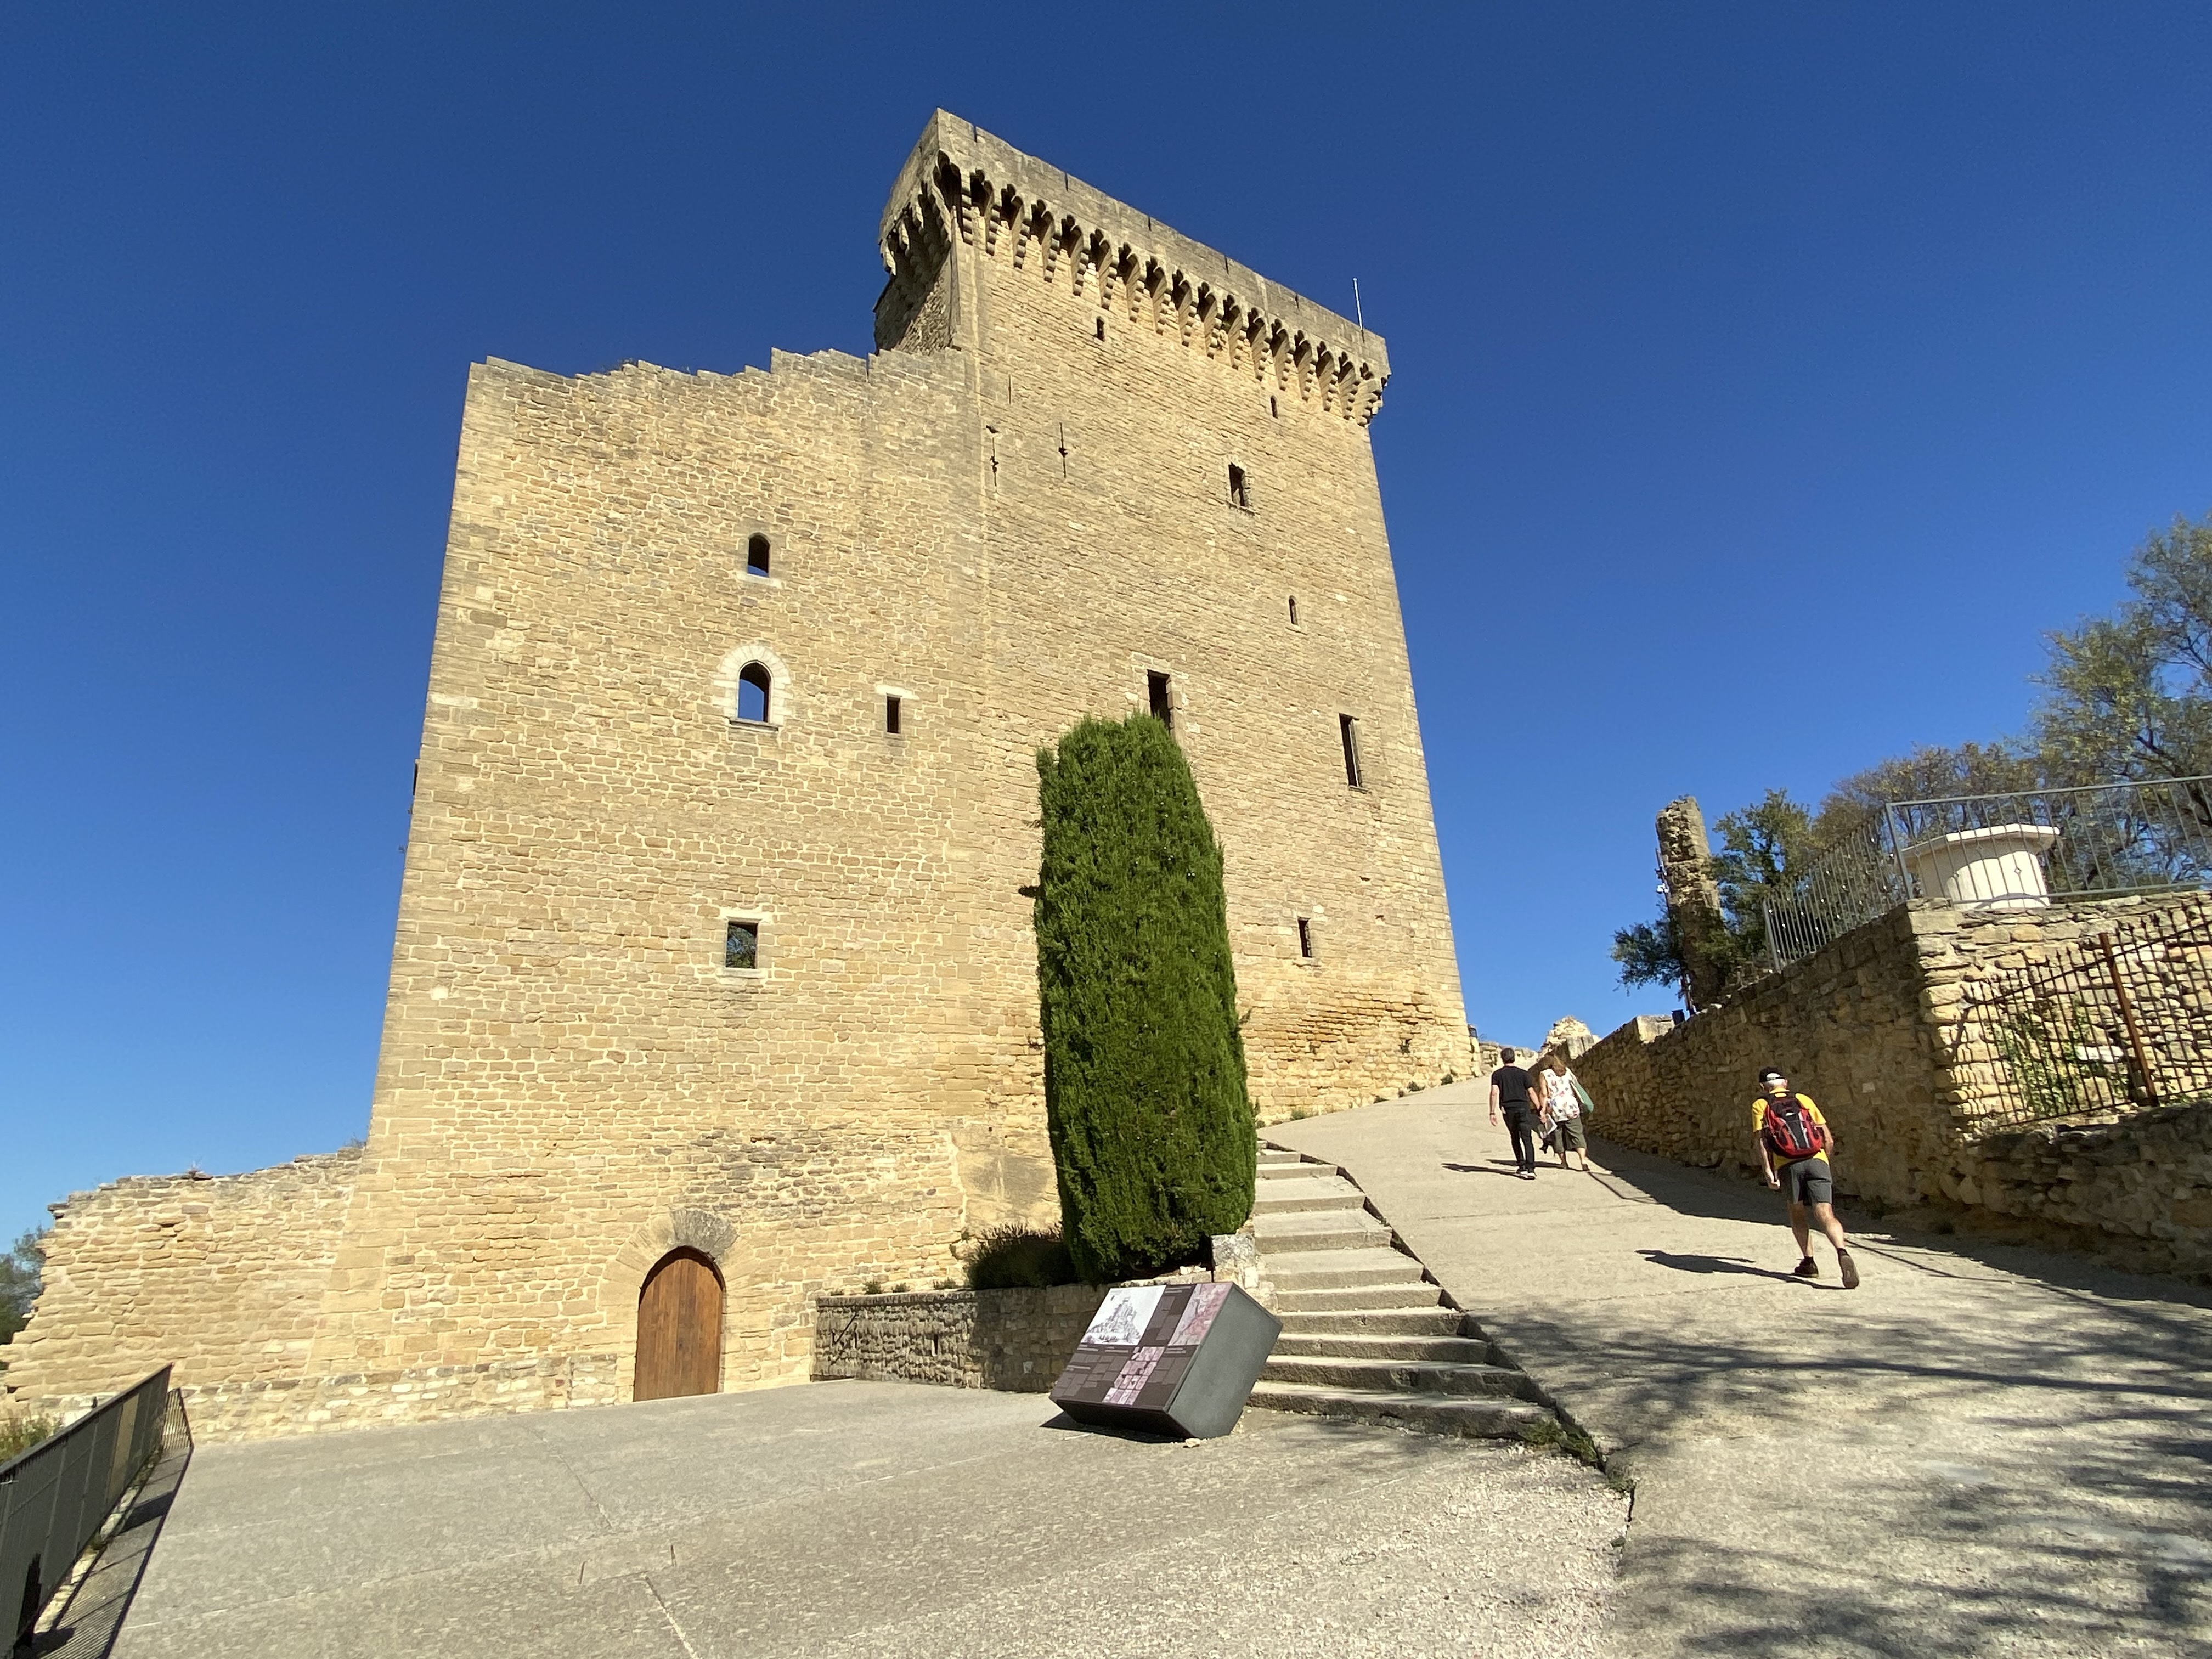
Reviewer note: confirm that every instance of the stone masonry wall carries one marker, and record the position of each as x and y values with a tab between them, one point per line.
1016	1339
1874	1028
2138	1190
1008	520
1845	1024
221	1276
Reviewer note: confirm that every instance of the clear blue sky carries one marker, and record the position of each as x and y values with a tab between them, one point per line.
1768	377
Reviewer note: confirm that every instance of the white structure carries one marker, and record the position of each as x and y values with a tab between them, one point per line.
1999	867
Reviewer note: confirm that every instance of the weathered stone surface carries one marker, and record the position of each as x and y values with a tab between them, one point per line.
1693	897
1019	1339
1008	518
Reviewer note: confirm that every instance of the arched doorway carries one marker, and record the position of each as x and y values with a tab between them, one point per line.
679	1329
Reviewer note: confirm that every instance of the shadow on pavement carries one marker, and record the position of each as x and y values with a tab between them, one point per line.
1982	1484
1719	1264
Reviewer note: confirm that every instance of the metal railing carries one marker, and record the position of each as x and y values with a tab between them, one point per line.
55	1496
2015	850
2114	1022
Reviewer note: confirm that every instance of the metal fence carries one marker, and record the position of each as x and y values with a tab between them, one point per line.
2114	1022
2008	851
55	1498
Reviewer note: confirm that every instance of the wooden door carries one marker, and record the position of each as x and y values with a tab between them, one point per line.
679	1329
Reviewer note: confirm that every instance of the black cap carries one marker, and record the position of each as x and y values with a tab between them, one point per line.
1770	1074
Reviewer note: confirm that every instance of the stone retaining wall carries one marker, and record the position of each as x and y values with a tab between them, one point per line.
1019	1340
2139	1190
1871	1027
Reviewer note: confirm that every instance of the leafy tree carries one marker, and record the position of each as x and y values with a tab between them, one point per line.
1650	953
1152	1129
21	1268
1851	813
1765	851
2129	696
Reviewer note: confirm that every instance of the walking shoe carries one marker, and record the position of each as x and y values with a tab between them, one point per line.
1850	1267
1808	1268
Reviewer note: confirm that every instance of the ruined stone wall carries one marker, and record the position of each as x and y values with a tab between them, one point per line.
1007	521
1016	1339
221	1276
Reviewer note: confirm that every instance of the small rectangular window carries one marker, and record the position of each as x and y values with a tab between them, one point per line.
1305	938
1350	730
1239	491
741	946
1294	611
1163	704
891	715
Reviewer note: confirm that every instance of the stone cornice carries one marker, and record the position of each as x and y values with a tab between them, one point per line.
960	182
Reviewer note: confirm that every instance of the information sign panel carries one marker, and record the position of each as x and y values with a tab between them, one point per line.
1169	1359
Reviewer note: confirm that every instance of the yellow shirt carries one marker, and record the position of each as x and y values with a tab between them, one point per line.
1758	1127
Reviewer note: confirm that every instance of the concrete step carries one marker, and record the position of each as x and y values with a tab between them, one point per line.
1330	1270
1331	1193
1398	1350
1436	1414
1428	1320
1360	1297
1319	1229
1280	1155
1390	1376
1294	1169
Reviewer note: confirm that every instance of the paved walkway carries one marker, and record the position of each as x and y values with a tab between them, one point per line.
1981	1450
869	1520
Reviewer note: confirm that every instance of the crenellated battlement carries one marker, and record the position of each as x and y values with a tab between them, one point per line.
961	186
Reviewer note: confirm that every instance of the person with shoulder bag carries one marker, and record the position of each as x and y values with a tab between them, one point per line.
1563	1112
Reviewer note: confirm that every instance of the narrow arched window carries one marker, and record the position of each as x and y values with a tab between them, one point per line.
752	693
757	556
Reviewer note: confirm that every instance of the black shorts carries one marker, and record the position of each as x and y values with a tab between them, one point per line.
1808	1180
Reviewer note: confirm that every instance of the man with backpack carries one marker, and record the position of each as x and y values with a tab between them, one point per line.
1794	1143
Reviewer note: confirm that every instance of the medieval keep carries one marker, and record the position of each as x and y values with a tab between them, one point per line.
714	986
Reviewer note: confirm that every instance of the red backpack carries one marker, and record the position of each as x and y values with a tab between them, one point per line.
1790	1132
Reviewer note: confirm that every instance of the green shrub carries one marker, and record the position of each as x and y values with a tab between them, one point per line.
18	1433
1006	1257
1152	1129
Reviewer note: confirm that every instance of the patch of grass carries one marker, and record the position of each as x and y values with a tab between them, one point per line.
19	1432
1007	1257
871	1287
1298	1112
1548	1433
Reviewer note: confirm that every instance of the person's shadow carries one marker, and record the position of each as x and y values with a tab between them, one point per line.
1505	1166
1718	1264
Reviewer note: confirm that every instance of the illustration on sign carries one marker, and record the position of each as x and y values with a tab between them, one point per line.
1140	1343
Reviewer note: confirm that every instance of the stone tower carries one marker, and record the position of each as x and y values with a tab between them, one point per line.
713	941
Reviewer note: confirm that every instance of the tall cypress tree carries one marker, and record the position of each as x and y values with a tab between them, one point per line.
1144	1063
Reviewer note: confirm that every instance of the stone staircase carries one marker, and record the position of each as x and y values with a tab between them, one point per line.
1366	1332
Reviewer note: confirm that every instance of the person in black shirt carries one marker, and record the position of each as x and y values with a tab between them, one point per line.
1508	1090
